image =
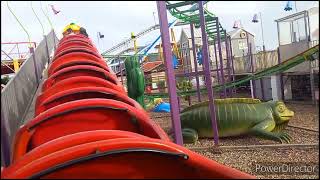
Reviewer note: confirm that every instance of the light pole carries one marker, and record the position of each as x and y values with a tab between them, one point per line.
289	8
154	18
255	20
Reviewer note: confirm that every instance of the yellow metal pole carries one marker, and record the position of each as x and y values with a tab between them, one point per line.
16	65
135	46
134	42
160	51
175	46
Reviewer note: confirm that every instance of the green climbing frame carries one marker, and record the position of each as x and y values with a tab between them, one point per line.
176	9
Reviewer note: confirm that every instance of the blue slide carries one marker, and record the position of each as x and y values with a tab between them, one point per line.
163	107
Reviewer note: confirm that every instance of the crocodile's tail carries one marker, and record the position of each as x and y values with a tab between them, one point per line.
224	101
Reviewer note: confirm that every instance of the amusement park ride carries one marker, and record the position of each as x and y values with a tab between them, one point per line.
102	132
177	58
13	54
86	125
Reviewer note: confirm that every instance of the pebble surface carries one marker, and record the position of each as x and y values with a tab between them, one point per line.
305	116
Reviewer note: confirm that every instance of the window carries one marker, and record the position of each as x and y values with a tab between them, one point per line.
293	29
185	45
242	44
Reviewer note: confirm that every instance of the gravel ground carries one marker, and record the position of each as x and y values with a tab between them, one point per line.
248	160
305	116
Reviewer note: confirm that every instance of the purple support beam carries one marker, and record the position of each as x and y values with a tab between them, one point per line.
253	84
188	59
171	81
220	57
195	61
216	57
217	66
232	64
205	53
228	61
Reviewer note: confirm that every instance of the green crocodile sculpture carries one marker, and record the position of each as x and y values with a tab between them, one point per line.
237	116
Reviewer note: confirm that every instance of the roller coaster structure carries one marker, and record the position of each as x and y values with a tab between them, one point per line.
83	115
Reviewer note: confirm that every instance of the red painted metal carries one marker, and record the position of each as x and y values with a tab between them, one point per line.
74	36
73	43
76	82
83	93
14	50
34	43
6	70
80	70
76	58
140	160
21	149
87	115
84	49
76	40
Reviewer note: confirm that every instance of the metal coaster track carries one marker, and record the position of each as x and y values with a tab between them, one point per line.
192	16
129	40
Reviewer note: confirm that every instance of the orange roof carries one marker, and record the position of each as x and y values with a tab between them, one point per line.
149	66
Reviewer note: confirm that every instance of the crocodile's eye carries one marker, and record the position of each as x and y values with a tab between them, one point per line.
281	109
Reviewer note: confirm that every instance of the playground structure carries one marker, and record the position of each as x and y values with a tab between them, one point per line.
260	71
116	61
216	34
255	71
13	56
145	49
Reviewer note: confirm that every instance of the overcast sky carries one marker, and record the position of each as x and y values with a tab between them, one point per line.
117	19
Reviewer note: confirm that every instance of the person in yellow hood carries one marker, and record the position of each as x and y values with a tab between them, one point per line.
73	28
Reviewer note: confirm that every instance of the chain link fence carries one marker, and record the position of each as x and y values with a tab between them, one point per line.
17	95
